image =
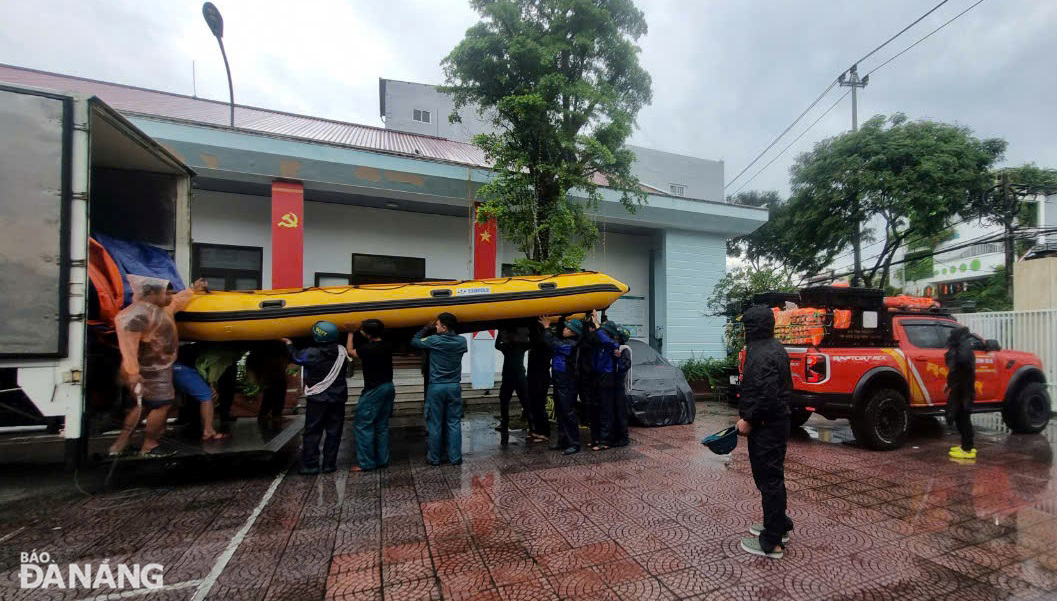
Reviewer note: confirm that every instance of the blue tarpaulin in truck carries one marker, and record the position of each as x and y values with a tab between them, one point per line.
140	259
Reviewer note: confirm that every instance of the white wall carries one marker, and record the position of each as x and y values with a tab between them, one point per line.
703	178
235	219
334	232
402	98
693	263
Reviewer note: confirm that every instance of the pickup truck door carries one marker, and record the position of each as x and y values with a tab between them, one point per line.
987	377
925	350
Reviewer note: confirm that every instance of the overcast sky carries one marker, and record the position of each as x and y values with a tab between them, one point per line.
727	75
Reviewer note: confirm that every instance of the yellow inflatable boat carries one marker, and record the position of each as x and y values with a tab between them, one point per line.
478	304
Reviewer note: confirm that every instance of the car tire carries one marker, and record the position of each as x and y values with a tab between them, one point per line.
1029	411
799	417
883	421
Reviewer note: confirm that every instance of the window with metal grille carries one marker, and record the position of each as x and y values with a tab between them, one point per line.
421	116
677	189
227	267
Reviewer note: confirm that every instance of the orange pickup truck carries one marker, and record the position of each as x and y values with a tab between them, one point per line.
878	361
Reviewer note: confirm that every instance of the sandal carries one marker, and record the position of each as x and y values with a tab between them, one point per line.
216	436
600	447
156	453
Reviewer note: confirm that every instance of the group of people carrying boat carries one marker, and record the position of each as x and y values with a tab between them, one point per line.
581	359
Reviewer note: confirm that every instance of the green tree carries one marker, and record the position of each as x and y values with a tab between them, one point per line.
750	247
1003	204
910	177
990	294
561	82
739	285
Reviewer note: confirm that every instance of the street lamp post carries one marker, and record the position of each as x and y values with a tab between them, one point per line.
216	25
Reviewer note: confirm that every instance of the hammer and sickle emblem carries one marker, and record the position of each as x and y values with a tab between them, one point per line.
288	220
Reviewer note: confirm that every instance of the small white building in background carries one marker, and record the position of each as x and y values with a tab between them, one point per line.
977	252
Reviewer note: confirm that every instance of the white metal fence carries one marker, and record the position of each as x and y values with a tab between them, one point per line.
1031	331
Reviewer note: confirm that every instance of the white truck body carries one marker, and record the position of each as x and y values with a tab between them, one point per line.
70	166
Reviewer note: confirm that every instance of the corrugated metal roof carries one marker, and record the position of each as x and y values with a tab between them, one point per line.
165	105
152	103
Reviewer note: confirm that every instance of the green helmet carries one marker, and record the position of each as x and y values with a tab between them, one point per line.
324	331
575	326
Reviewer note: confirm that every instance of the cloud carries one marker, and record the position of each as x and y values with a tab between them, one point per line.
728	76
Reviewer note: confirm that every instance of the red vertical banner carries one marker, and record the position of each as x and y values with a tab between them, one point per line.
484	244
288	234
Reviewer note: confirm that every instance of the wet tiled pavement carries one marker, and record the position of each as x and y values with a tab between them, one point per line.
658	520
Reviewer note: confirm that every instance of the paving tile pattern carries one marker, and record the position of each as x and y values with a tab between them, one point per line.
661	519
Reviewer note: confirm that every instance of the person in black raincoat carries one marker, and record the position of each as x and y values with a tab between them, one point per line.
513	344
587	378
539	384
961	380
764	409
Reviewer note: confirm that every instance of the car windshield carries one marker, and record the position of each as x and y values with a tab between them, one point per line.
643	354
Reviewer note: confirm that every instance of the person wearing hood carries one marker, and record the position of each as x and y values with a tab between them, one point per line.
325	377
961	389
763	405
148	340
564	372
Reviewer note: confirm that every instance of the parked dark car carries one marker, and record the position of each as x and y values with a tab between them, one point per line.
659	394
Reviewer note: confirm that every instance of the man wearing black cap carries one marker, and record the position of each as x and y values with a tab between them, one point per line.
764	409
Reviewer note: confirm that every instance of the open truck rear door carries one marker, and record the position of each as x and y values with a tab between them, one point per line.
64	164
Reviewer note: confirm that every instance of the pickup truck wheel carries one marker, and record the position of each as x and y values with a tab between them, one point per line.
1029	412
799	417
883	421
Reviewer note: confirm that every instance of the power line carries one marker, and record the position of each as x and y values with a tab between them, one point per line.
823	94
920	238
927	36
1022	234
785	131
795	140
901	32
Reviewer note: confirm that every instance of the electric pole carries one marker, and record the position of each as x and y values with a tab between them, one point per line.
852	81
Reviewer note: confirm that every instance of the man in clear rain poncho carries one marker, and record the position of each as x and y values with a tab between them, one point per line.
147	337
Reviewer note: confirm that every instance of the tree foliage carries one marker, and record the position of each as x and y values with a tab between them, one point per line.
561	82
1002	204
911	177
735	289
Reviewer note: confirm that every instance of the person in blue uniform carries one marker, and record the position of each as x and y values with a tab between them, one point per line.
444	393
563	373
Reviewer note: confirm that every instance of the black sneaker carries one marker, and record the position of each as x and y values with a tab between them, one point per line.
309	470
571	451
329	469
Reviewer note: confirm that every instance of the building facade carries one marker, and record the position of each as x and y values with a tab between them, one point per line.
377	205
423	109
976	251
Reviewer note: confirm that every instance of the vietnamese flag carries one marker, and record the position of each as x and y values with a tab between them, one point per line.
484	244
